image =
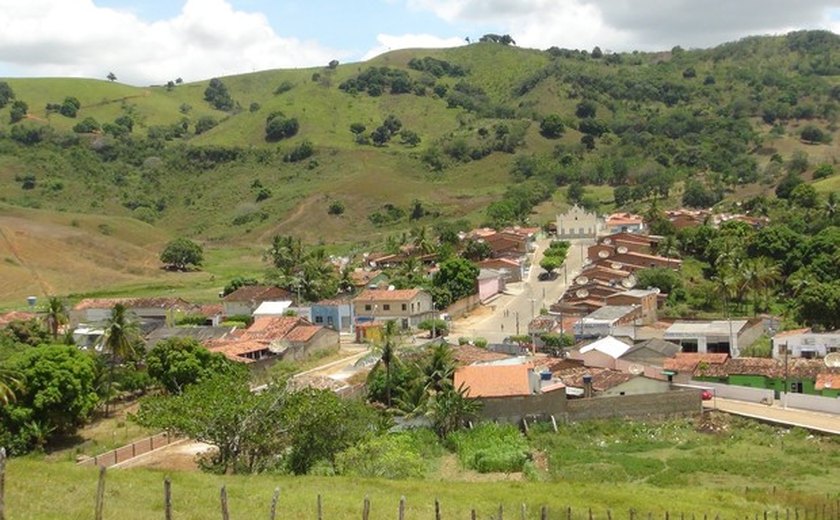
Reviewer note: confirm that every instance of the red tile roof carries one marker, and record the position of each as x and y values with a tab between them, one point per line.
494	381
302	333
602	378
469	354
826	381
374	295
688	361
273	327
11	316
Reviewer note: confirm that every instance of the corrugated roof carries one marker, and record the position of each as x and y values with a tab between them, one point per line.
602	378
131	303
469	354
493	380
258	293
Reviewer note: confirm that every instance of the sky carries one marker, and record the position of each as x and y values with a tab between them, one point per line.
147	42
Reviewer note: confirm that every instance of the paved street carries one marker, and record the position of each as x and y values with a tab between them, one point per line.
793	417
498	319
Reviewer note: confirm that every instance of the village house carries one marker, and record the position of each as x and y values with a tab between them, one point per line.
609	320
648	358
805	343
245	300
578	223
368	278
335	313
511	393
645	299
512	270
681	368
605	382
717	336
636	242
490	283
799	376
624	222
601	353
272	338
408	307
98	310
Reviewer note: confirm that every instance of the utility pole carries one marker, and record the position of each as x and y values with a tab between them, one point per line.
517	323
787	383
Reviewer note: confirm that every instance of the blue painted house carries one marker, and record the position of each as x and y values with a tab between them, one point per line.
336	314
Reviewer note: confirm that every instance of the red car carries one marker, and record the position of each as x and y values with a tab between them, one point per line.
706	395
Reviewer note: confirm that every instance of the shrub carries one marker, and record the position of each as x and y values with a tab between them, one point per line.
278	126
86	126
480	342
490	447
204	124
336	208
552	126
218	96
284	87
302	151
394	456
18	111
823	171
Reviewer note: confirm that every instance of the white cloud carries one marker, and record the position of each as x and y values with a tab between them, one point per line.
207	38
390	42
633	24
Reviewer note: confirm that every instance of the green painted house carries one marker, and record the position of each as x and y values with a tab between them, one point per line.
802	376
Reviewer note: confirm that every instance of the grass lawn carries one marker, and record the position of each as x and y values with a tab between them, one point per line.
719	466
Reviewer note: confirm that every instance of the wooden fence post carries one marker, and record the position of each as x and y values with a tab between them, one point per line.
402	508
100	494
501	513
2	483
274	499
473	514
437	509
522	512
223	497
167	498
366	509
544	513
320	509
569	513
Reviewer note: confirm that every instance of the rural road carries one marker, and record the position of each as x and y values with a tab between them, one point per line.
824	422
498	319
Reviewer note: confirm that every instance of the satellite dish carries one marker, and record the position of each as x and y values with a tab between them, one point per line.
581	280
607	241
616	265
832	360
636	369
587	261
603	253
582	293
627	283
631	280
656	290
621	250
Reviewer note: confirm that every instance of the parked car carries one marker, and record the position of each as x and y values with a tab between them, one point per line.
706	395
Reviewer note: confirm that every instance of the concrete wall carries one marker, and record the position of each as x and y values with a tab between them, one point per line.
675	402
489	287
238	308
514	409
750	334
593	358
463	306
812	402
741	393
638	386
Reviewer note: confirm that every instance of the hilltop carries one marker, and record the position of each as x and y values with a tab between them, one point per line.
498	126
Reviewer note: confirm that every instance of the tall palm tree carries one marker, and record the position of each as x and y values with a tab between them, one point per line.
56	315
121	333
421	241
389	334
758	274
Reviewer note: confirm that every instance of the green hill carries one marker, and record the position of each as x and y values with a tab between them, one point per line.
730	118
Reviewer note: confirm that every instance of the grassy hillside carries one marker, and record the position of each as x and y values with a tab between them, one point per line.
728	117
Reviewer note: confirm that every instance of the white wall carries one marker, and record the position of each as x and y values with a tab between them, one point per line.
815	403
741	393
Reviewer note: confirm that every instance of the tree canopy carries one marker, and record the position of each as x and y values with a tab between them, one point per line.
182	253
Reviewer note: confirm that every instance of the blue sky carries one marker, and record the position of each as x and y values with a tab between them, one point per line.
152	41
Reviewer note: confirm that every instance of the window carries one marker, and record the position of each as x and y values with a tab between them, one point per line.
386	307
367	306
319	319
808	354
832	350
405	306
796	387
329	320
